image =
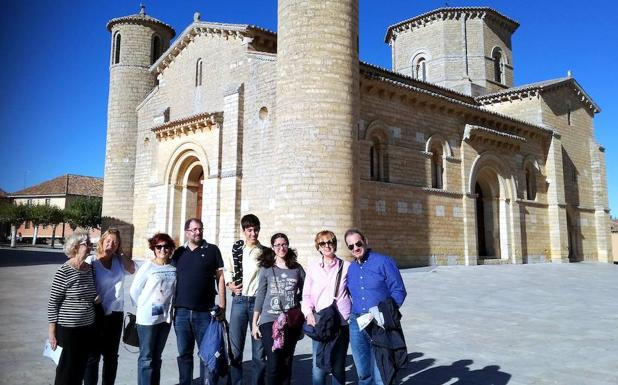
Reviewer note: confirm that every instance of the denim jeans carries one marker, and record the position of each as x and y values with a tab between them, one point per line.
338	356
190	326
109	330
241	317
278	362
364	359
152	340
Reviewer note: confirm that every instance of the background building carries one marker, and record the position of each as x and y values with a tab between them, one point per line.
57	192
441	160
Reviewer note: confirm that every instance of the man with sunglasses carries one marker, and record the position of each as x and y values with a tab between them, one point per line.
372	279
242	277
199	271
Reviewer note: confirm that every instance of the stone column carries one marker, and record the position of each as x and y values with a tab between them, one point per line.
601	204
556	210
315	174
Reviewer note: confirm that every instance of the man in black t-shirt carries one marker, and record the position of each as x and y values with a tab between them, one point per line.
199	271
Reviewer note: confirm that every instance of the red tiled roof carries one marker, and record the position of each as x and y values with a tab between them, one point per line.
68	184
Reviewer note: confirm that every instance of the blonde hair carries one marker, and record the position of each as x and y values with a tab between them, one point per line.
110	231
71	244
324	234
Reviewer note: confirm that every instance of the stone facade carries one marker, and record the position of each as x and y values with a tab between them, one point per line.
454	169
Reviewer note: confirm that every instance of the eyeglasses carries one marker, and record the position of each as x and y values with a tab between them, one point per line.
166	247
280	246
357	244
324	243
86	243
197	230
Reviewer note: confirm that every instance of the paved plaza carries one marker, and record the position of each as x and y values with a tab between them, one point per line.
485	325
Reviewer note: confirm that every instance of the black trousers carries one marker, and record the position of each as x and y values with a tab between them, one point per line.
76	344
279	362
108	330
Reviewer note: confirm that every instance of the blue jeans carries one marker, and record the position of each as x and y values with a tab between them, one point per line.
190	326
338	355
241	317
364	359
152	340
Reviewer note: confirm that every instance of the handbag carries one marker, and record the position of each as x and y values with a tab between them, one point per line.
129	332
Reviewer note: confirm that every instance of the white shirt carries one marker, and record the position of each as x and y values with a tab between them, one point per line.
153	291
109	283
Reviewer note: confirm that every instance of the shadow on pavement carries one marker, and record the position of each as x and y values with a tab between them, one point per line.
17	257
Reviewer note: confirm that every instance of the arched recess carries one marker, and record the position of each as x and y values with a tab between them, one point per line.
574	236
378	134
531	173
499	62
184	177
439	149
419	65
493	185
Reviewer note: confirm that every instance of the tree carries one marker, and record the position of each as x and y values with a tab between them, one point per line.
14	215
37	217
84	212
47	215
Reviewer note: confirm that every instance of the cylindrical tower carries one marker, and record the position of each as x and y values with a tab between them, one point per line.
137	42
316	174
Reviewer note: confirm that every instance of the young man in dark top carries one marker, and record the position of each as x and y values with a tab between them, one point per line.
199	271
241	277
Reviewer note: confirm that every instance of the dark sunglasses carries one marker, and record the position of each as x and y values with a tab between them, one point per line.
324	243
166	247
357	244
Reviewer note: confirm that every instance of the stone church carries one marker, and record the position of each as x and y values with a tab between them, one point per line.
439	160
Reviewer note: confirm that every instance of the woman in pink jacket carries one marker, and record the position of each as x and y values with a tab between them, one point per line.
319	293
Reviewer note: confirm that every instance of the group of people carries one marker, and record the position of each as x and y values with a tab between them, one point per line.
335	302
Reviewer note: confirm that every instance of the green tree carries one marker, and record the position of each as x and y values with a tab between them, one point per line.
14	215
84	212
48	216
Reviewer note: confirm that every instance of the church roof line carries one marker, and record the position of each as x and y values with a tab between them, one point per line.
526	90
450	13
247	32
139	18
397	80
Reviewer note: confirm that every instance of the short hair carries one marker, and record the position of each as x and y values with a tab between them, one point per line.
324	234
158	237
354	231
250	220
196	220
71	244
110	231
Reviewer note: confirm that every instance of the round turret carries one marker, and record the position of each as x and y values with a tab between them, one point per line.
317	118
137	42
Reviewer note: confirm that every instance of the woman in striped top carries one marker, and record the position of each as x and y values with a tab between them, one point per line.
71	310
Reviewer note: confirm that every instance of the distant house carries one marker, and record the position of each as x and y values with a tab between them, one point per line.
58	192
4	228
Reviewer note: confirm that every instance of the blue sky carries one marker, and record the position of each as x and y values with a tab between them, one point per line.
55	73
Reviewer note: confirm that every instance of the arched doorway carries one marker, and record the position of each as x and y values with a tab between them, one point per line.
488	214
186	193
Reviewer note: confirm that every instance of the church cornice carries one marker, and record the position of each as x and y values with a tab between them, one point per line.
188	125
448	13
492	137
256	38
536	89
394	86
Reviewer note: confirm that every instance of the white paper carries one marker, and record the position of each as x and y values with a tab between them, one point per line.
364	320
54	355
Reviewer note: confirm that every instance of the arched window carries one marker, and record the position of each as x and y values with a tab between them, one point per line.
530	176
156	49
437	167
198	73
498	65
420	69
377	162
116	49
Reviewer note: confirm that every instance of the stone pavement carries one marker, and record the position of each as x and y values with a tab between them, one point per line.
509	324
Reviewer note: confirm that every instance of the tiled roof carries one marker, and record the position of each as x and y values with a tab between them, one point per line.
138	18
68	184
448	12
540	87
